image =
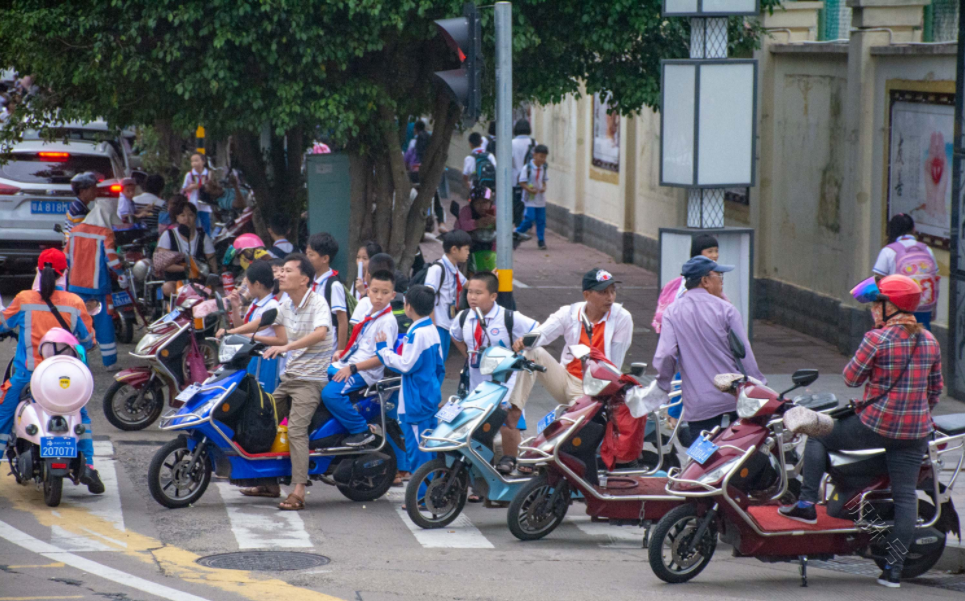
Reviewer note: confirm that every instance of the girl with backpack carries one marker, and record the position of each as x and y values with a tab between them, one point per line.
905	255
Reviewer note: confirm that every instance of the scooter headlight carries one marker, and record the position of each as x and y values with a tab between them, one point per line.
717	474
227	352
593	386
492	358
147	341
747	406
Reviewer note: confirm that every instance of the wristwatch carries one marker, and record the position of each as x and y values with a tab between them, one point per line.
353	368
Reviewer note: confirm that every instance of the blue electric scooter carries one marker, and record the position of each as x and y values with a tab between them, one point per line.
181	470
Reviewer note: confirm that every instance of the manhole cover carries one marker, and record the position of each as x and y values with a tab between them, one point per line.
264	561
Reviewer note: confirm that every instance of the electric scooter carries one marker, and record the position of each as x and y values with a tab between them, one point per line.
209	429
735	479
566	453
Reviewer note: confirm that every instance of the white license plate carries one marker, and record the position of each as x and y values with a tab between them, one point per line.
188	393
58	447
449	412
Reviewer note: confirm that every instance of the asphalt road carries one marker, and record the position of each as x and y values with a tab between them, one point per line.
123	545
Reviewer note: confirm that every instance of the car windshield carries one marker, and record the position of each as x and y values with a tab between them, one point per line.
33	168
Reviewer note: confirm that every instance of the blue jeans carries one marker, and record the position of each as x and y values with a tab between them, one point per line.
103	329
335	396
444	339
204	221
8	408
531	214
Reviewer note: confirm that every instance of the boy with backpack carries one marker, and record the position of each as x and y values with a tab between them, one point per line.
482	325
445	279
532	179
419	360
479	168
321	251
905	255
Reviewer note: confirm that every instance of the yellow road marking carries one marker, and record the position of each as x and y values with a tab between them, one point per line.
56	564
172	561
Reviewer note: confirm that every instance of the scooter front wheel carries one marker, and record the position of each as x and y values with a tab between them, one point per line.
126	410
674	556
172	480
430	499
538	508
53	489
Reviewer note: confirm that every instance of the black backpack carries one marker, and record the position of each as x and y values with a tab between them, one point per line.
257	424
485	174
529	152
420	276
509	320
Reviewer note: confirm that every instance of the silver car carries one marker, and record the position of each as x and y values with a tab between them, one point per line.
35	193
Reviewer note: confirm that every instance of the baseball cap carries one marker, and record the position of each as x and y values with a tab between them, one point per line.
700	266
55	257
598	279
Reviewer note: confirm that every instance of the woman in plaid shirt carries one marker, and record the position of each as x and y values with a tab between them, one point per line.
901	363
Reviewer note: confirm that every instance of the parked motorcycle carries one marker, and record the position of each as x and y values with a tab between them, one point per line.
209	432
225	233
566	452
180	349
735	478
144	286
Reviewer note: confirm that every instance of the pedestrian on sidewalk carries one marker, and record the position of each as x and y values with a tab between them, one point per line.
479	166
905	255
694	341
523	145
447	282
598	322
532	179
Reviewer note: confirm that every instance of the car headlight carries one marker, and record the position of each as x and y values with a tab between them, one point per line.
747	406
593	386
492	358
717	474
147	341
226	352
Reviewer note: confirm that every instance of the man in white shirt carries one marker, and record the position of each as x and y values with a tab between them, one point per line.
598	322
447	281
469	165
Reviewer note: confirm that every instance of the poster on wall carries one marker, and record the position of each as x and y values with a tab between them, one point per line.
920	162
606	136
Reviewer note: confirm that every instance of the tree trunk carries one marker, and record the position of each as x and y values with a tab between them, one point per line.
282	190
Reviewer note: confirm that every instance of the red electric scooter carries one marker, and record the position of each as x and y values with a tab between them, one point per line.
736	477
565	451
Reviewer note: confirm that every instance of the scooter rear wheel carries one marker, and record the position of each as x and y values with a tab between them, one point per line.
124	412
53	489
168	478
670	558
124	328
426	500
535	511
917	564
370	489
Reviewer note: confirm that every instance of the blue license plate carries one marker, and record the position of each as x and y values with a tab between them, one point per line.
171	316
58	447
449	412
48	207
701	450
122	298
548	419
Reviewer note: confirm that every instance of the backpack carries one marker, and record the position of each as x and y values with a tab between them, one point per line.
398	309
350	301
420	276
485	174
509	321
529	152
257	424
917	263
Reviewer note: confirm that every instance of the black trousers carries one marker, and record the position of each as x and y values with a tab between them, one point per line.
695	428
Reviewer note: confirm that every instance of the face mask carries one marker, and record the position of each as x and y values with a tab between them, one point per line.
184	230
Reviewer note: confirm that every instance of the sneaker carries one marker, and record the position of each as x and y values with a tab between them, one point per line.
542	245
521	236
359	440
890	577
92	479
801	512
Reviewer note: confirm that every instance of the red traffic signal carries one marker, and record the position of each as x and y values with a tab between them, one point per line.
463	36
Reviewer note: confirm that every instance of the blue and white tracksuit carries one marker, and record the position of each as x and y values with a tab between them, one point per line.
422	367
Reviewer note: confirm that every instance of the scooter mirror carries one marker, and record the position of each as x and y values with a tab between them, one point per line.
268	317
580	351
93	307
638	369
529	340
219	301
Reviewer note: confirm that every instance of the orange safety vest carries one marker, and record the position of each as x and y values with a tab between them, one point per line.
30	313
91	251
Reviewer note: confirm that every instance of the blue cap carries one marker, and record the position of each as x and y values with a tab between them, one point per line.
700	266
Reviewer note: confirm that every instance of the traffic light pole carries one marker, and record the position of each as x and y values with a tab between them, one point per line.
504	152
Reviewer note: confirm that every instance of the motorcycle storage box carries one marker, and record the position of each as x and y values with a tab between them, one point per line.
61	384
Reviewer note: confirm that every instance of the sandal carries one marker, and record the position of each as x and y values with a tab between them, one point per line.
506	465
474	498
397	481
260	491
525	469
292	503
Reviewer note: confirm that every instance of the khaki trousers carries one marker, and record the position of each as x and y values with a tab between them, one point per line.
561	384
298	400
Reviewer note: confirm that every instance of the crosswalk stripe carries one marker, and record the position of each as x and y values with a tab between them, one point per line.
460	534
106	506
618	537
258	525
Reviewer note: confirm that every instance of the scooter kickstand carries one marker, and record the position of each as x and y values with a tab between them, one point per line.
804	570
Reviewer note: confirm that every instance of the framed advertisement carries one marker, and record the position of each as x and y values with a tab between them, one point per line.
606	136
919	155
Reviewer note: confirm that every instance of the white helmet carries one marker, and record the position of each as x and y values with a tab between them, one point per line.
61	384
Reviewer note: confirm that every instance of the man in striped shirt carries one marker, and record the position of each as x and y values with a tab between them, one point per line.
84	186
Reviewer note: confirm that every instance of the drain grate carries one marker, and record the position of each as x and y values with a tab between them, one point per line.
866	567
264	561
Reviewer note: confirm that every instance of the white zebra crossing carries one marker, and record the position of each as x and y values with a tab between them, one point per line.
257	525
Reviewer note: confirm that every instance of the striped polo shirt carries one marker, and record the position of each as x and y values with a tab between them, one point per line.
310	363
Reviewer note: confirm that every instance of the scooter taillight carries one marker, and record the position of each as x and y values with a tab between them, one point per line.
58	466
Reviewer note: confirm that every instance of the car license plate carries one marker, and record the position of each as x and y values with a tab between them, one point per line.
188	393
58	446
121	299
548	419
171	316
449	411
48	207
701	450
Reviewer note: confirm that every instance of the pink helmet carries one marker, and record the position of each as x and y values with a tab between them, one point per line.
58	341
247	241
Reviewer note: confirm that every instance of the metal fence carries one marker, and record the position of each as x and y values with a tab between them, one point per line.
940	21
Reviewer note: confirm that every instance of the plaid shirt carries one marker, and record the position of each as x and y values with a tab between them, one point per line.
905	412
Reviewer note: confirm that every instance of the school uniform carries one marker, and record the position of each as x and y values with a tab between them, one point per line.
420	362
478	336
265	370
361	346
448	291
204	209
337	302
535	204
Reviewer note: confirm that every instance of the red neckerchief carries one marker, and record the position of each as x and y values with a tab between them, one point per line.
360	327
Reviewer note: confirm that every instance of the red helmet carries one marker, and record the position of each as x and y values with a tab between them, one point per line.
902	291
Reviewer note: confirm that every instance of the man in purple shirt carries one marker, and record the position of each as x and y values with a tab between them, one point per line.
693	340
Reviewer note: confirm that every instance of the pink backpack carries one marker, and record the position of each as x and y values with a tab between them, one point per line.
917	263
667	296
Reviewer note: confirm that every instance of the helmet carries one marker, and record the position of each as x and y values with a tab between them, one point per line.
901	291
61	384
58	341
56	258
82	181
247	241
141	270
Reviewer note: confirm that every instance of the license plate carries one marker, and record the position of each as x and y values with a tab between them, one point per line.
58	446
188	393
449	411
48	207
171	316
548	419
701	450
122	298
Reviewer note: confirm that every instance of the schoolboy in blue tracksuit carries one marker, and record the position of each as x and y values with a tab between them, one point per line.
419	360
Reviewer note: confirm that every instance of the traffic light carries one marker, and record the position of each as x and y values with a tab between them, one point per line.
463	35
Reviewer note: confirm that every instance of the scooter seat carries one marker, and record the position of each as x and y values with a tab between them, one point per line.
822	401
951	425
